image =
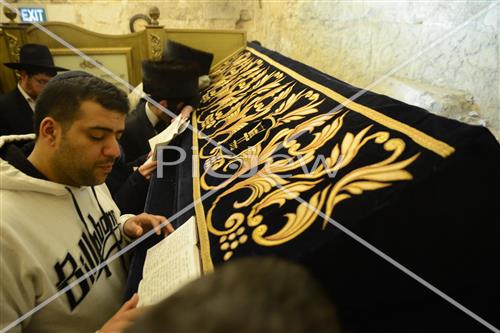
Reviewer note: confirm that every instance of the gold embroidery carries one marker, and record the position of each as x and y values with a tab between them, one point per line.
246	136
206	259
249	102
426	141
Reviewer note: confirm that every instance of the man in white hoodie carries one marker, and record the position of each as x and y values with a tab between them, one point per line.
60	231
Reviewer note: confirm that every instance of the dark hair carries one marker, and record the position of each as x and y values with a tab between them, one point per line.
62	97
34	71
249	295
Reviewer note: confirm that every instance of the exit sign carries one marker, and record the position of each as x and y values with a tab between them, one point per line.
32	14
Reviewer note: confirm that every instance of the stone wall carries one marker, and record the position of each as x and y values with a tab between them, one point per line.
360	42
112	16
444	54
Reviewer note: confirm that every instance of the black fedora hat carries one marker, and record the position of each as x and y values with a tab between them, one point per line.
35	57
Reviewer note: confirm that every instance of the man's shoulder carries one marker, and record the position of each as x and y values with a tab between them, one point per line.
138	114
138	123
14	101
10	97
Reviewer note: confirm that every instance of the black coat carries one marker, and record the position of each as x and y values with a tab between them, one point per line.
16	116
128	187
138	130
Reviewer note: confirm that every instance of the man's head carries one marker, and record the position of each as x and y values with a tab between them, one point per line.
172	84
36	68
78	121
248	295
33	81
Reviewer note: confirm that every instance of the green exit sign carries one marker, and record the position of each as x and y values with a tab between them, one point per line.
32	14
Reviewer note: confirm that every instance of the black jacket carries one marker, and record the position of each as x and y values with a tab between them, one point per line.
16	116
128	187
138	130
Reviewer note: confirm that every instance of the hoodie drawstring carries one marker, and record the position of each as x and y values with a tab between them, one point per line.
80	215
97	200
78	210
124	265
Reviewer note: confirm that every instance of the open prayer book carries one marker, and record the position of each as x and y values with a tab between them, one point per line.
176	127
170	264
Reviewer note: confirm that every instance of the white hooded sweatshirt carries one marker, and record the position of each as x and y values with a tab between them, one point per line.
50	236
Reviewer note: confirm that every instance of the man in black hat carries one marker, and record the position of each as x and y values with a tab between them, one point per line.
174	86
176	51
36	68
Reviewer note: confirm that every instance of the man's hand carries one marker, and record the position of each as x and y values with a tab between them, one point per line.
186	112
136	226
124	317
148	167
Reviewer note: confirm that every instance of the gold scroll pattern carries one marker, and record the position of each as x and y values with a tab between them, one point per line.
156	47
250	101
13	46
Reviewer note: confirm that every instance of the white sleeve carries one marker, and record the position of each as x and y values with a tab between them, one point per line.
17	286
122	220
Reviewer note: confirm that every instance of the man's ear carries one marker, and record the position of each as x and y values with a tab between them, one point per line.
23	75
49	131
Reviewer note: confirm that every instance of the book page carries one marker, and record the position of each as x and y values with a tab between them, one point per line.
175	128
184	236
170	264
170	276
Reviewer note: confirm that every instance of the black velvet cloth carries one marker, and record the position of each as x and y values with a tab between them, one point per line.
420	188
170	195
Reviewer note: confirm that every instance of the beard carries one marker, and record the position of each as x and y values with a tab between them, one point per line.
30	90
77	170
